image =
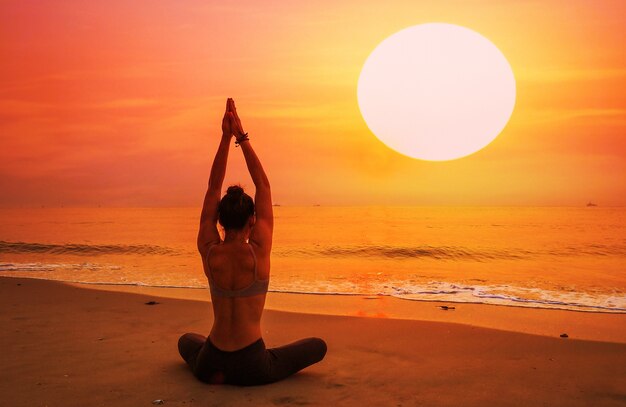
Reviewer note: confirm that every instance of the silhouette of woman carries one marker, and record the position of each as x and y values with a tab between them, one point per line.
238	271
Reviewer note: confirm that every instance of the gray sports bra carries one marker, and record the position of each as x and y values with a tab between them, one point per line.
255	288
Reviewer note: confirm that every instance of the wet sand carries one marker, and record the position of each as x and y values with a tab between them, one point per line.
66	345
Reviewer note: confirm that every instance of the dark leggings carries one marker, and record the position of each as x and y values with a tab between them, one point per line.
251	365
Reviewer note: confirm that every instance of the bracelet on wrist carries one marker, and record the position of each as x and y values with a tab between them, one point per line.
241	139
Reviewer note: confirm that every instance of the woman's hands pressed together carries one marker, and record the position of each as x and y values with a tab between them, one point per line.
231	124
227	129
236	122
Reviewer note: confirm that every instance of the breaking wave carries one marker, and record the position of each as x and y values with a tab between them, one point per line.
83	249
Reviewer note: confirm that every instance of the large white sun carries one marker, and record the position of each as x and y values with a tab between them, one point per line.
436	91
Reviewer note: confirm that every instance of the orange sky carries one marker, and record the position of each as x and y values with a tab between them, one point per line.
120	102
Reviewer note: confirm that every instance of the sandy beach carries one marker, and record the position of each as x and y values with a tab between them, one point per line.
65	345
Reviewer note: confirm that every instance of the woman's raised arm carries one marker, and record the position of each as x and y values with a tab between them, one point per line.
262	232
208	234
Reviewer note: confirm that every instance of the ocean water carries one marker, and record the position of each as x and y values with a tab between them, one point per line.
547	257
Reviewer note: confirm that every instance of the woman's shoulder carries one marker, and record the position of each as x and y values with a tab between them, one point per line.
260	248
206	248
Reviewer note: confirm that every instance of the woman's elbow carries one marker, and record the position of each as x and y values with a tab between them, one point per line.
200	244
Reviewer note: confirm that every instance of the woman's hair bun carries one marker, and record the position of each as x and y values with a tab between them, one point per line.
234	190
235	208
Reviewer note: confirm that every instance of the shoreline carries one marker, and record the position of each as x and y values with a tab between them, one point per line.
112	287
513	302
69	345
585	325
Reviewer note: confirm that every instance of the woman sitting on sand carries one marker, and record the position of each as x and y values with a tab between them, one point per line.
238	271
